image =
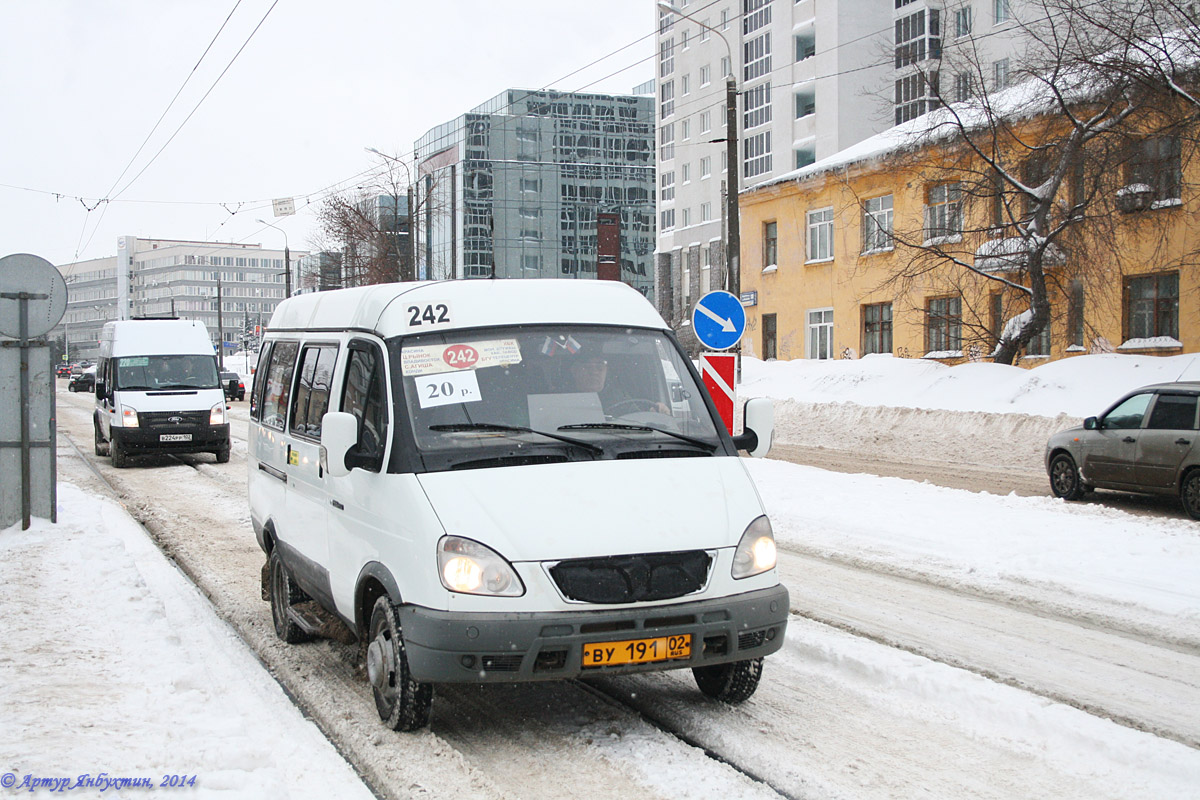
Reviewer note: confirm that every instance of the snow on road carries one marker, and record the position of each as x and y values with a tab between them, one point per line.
113	663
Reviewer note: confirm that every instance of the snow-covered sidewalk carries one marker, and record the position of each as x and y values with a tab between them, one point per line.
115	668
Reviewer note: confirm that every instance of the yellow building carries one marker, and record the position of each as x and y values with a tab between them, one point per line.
835	258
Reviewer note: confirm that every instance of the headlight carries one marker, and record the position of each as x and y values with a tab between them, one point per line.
216	415
471	568
128	417
755	553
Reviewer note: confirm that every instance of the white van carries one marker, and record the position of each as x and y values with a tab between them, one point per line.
157	391
507	481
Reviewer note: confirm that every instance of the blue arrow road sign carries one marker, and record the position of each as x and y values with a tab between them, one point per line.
719	320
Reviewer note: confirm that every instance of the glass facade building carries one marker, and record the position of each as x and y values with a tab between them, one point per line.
516	184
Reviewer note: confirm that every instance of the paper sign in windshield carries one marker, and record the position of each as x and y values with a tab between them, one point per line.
435	358
444	388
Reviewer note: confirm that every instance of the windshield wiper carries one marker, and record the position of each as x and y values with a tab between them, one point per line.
616	426
492	426
170	386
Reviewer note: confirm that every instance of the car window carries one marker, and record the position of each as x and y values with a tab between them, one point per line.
1129	413
312	389
1173	412
260	383
363	396
279	384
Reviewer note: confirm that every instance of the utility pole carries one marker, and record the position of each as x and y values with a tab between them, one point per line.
220	328
733	255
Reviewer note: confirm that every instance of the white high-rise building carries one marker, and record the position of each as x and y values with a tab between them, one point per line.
813	77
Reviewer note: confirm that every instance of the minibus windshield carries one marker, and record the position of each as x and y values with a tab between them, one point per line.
165	372
535	393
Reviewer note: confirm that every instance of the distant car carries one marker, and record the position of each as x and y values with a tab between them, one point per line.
1146	442
84	381
234	388
64	371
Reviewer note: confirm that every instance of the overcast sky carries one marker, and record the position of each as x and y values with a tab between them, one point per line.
83	83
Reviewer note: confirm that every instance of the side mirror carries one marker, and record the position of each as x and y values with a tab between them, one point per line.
759	424
101	389
339	435
1091	424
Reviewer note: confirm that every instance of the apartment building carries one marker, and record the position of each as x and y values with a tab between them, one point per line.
168	277
812	79
513	187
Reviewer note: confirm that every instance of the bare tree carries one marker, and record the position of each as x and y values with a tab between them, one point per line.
1030	182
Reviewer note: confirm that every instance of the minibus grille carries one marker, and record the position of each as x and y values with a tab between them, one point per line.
167	419
632	578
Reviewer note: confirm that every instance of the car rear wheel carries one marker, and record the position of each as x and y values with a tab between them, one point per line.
284	595
101	447
1189	494
729	683
1064	478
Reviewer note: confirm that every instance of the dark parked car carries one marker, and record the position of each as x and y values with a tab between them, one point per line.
83	381
235	389
1147	442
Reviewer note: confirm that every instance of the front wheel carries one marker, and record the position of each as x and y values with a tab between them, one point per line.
729	683
1064	478
120	459
1189	494
403	703
222	455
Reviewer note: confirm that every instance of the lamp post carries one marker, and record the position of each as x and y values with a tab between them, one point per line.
733	242
412	229
287	259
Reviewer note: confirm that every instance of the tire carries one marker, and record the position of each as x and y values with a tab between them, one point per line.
284	594
120	459
1064	478
403	703
729	683
1189	494
70	388
100	446
222	455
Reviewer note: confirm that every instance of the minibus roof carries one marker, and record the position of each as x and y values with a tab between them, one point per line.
394	309
149	337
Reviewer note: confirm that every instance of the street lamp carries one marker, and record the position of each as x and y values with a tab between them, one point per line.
287	259
412	229
733	243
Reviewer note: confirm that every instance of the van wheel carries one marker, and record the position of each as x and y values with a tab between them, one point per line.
120	459
729	683
101	447
284	594
403	703
222	455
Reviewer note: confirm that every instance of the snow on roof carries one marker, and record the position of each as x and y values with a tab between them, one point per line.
1025	100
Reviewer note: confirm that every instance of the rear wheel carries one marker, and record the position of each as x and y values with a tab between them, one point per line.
1064	478
284	594
1189	494
403	703
729	683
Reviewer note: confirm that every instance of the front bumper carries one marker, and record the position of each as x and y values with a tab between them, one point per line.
449	647
205	438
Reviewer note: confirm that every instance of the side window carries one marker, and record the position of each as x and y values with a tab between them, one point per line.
1173	412
260	382
363	396
312	389
1129	414
278	384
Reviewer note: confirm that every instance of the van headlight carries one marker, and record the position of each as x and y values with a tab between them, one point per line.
469	567
128	418
755	553
216	414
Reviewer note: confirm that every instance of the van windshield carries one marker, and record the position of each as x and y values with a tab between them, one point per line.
537	394
161	373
